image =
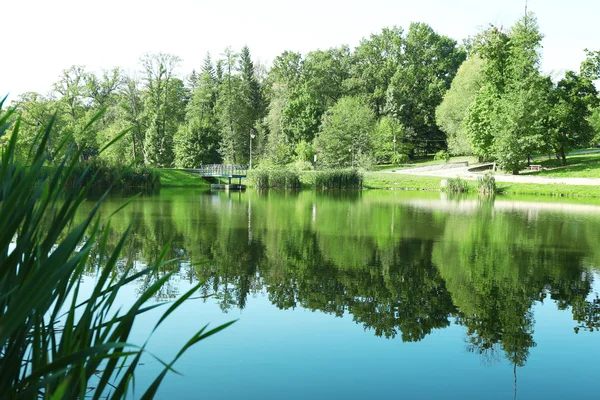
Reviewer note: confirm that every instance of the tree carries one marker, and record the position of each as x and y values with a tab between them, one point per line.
429	64
102	91
344	136
387	141
509	117
451	113
197	140
374	63
164	107
131	106
595	123
231	110
278	147
573	100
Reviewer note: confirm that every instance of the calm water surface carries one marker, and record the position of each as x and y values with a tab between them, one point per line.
372	295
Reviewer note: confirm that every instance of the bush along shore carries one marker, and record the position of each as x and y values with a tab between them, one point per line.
274	178
101	175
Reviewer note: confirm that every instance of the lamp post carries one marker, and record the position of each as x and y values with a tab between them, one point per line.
252	136
394	159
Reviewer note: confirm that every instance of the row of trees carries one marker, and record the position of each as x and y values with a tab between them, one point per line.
397	94
344	105
501	107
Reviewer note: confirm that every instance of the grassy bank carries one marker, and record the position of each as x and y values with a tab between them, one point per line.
172	178
381	180
549	189
578	166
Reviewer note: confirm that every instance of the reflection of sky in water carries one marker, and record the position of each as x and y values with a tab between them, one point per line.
298	354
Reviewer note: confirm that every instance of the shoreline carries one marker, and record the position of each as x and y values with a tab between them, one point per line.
407	182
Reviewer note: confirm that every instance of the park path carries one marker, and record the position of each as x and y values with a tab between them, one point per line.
464	173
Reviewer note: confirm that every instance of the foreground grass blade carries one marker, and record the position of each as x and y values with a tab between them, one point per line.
53	341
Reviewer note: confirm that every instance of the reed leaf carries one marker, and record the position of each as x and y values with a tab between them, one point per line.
54	339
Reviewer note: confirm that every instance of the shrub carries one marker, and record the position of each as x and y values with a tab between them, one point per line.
400	158
456	185
339	179
274	178
103	175
486	184
54	340
442	155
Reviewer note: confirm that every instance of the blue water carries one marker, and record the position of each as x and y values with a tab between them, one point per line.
307	351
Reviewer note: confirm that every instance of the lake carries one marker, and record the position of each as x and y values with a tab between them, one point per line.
370	294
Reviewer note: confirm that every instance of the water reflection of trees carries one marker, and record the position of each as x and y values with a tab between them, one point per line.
397	269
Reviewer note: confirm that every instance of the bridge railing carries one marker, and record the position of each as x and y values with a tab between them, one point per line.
223	169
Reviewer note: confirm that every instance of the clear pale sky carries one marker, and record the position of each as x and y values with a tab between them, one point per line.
43	37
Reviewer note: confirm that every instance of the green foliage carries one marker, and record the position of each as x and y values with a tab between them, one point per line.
594	120
280	178
442	155
388	141
345	134
55	342
279	145
456	185
197	141
339	179
486	184
400	158
573	100
508	119
103	175
304	152
429	64
451	113
375	61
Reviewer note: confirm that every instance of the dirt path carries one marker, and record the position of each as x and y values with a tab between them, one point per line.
464	173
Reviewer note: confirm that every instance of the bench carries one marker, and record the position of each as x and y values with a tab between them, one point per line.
533	168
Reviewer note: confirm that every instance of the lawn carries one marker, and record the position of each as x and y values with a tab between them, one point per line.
386	180
578	166
173	178
548	189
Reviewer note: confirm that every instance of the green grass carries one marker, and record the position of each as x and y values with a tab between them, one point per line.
578	166
172	178
383	180
549	189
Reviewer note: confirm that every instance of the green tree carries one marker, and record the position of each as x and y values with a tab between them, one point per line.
388	142
374	63
197	140
164	107
344	137
451	113
573	100
595	123
231	111
429	64
509	117
278	146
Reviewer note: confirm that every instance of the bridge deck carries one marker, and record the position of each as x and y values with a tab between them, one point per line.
219	171
223	171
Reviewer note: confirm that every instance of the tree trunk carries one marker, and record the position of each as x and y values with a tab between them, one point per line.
515	172
563	156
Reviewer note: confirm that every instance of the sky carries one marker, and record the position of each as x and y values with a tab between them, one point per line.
43	37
